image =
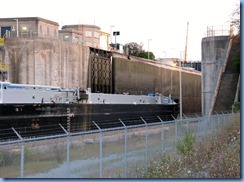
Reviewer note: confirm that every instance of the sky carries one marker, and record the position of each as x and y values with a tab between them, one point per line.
160	25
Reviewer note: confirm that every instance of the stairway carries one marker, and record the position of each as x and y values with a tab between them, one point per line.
228	82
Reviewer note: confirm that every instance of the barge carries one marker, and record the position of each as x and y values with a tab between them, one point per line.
35	110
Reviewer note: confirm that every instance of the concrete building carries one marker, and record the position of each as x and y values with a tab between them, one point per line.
28	27
215	51
23	27
88	35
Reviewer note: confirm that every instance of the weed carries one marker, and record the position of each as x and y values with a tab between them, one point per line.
186	147
216	157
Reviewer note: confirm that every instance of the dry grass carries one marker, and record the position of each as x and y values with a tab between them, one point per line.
216	157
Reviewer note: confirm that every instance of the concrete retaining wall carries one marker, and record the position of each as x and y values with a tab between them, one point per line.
214	51
142	78
45	61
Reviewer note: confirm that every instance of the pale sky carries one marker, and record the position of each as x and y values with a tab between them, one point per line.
164	22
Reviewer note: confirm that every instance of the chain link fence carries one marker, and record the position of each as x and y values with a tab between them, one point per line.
103	153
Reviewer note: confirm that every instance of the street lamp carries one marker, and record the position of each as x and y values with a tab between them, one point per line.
181	55
17	27
116	34
180	92
148	49
111	33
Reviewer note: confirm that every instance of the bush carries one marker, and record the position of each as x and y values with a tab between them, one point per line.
186	147
237	106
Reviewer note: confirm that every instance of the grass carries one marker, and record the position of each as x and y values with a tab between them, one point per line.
218	156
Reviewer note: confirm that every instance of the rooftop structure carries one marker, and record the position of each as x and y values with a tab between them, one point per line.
28	27
24	27
88	35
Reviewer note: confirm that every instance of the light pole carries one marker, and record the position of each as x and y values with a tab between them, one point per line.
17	27
148	49
180	92
182	52
111	26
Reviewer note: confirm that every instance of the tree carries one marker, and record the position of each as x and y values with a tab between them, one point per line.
236	23
144	54
236	18
133	48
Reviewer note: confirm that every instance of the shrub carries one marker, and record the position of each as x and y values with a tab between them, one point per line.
216	157
186	147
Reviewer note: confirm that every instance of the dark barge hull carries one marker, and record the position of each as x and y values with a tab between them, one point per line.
43	119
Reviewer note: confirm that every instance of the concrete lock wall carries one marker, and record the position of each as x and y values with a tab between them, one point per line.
47	61
141	78
214	51
44	61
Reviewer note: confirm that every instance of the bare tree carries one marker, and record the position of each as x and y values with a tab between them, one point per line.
235	16
133	48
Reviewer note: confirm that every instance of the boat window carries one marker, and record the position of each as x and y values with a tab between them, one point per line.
14	87
29	87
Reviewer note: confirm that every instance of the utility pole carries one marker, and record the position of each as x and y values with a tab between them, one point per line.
180	73
186	42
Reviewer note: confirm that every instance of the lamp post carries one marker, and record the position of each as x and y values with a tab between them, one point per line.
180	68
17	27
180	92
148	49
111	26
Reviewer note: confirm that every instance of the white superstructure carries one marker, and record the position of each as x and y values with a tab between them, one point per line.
24	93
101	98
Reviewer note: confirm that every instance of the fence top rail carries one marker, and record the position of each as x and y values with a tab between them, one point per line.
23	140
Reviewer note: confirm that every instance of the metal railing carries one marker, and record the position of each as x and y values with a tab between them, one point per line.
106	153
221	30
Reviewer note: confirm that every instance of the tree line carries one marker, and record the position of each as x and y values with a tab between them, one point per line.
135	49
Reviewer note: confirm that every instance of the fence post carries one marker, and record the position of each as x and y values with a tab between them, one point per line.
146	142
198	127
217	120
229	118
206	118
171	116
176	134
67	146
22	154
162	135
101	149
223	118
125	148
187	123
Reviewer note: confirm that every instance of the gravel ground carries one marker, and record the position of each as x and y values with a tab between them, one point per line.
90	168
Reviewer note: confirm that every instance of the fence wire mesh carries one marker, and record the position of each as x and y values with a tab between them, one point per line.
123	152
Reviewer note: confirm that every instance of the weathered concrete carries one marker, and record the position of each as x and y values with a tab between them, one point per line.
45	61
228	86
140	77
214	51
